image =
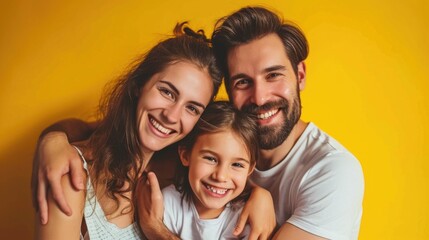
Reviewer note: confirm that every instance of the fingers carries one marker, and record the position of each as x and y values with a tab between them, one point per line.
154	184
34	182
58	194
157	208
241	223
257	234
41	201
77	174
253	236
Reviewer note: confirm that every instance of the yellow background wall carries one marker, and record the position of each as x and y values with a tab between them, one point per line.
366	84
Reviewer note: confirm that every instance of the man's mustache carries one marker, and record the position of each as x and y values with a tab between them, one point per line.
255	109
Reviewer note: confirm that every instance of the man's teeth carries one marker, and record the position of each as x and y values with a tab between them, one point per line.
159	127
216	190
267	114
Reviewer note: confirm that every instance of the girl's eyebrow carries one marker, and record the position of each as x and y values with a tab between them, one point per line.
244	160
175	90
214	153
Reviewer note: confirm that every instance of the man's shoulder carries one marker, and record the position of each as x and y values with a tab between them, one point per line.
321	153
317	145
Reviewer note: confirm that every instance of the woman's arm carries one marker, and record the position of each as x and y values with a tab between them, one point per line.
54	158
60	225
259	212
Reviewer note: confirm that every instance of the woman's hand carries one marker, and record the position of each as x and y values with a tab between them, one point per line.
54	158
259	212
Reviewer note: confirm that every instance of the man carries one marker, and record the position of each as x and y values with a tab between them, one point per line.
316	184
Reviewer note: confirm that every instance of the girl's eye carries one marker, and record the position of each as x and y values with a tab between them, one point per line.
166	93
237	164
210	159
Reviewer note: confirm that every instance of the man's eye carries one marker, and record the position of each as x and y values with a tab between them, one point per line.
242	83
274	75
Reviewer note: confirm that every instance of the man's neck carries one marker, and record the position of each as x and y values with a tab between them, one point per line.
270	158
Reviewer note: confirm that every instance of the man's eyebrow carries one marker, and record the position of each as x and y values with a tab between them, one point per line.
266	70
274	68
238	76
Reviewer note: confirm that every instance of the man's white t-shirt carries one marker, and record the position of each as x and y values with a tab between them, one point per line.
183	219
318	187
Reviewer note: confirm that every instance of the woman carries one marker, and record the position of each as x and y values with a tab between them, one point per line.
150	108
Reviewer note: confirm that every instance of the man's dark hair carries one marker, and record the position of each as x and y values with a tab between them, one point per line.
251	23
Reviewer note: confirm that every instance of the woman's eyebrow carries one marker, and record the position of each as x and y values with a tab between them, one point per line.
170	85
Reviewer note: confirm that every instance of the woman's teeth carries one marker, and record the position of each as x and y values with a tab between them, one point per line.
159	127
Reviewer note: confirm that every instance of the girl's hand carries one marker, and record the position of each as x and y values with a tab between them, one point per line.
259	213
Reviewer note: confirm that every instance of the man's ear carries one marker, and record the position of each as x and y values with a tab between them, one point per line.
183	154
301	75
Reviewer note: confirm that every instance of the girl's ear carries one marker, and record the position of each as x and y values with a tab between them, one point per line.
251	169
183	154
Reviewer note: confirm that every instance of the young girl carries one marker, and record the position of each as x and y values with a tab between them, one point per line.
217	156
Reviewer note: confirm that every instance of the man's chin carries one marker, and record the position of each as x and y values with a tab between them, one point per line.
271	140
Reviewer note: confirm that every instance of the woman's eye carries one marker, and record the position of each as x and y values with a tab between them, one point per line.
167	93
194	110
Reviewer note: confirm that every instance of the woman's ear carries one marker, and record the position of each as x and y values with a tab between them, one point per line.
183	154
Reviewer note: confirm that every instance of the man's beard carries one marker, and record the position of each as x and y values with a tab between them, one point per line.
273	136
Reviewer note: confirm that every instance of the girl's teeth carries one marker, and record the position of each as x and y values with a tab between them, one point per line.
217	191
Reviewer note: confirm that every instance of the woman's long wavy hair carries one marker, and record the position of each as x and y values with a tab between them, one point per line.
116	151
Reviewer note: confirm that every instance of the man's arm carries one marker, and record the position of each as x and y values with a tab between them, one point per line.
55	157
150	206
75	129
329	201
291	232
60	225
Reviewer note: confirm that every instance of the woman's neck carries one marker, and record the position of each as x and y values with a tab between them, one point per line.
147	155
